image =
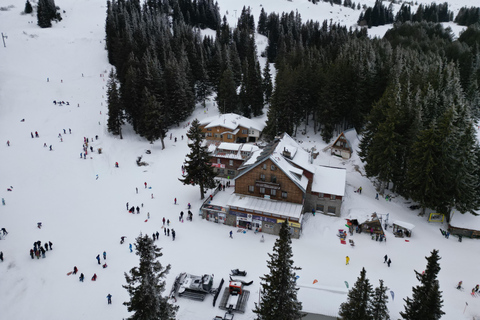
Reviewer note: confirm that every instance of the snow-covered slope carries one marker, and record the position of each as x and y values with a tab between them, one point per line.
84	216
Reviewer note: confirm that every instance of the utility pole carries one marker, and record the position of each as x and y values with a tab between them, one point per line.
3	38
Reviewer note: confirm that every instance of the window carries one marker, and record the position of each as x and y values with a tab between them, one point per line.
218	160
209	129
244	131
230	162
321	195
333	197
262	190
264	166
209	134
251	188
331	210
273	192
273	168
273	179
221	171
231	172
284	194
262	177
229	136
320	207
215	135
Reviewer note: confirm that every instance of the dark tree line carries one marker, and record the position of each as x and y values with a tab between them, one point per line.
46	13
379	15
468	16
429	13
164	66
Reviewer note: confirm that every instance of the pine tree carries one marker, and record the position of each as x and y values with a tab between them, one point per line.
145	284
28	7
154	123
115	111
426	302
357	306
227	99
267	85
378	300
198	168
279	291
46	12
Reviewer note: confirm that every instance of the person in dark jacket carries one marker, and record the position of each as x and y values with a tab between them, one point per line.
81	277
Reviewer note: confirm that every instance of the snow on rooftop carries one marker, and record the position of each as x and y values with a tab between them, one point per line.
232	121
466	221
404	224
229	146
298	155
329	180
266	206
361	215
294	173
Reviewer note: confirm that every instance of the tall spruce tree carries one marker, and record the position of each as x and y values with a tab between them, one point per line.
426	302
46	12
198	168
28	7
358	306
154	123
379	299
279	291
145	284
115	110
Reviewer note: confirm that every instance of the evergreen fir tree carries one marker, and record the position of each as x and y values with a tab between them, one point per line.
28	7
426	302
145	284
379	299
198	169
279	291
115	111
46	12
227	98
267	83
357	306
154	123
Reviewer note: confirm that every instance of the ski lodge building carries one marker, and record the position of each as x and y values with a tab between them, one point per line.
344	144
231	127
277	184
227	157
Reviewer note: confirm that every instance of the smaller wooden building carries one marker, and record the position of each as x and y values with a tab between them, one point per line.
343	145
465	225
402	228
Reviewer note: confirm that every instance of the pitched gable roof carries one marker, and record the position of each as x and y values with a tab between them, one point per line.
232	121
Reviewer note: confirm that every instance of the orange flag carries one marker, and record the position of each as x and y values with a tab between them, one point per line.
315	281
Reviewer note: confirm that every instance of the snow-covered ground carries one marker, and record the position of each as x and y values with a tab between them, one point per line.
84	216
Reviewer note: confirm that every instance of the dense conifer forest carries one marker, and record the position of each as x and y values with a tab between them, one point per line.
412	94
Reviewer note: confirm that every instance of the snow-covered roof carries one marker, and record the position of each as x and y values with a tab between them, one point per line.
310	296
249	147
232	121
404	224
466	221
298	155
229	146
295	174
280	208
361	215
329	180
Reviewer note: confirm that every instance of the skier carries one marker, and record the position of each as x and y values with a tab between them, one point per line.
148	215
109	297
3	201
168	222
153	236
31	253
81	277
98	258
50	147
189	206
130	247
181	216
385	259
8	143
157	235
136	190
104	265
173	234
347	259
122	239
127	205
104	255
165	231
138	209
477	287
1	256
75	270
459	286
163	220
388	262
175	200
116	166
145	185
168	232
231	234
50	244
94	278
43	252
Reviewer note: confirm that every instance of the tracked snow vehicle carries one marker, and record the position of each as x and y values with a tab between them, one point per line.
192	287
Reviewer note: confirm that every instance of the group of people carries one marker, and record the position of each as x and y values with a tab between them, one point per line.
474	289
104	258
55	102
39	249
